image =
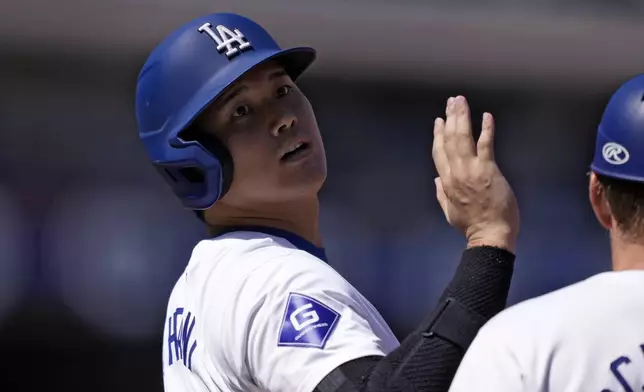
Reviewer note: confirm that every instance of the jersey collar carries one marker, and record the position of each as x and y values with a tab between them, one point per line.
294	239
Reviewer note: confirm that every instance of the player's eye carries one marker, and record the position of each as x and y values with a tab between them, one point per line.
283	90
241	111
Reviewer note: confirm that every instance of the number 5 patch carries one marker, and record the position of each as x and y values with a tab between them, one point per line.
307	322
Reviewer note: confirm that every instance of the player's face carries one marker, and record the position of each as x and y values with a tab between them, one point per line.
270	129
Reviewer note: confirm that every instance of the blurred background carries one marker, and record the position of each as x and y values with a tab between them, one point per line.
92	240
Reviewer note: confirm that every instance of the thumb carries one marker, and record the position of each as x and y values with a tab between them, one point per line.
441	196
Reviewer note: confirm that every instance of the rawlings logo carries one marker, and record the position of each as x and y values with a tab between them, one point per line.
615	153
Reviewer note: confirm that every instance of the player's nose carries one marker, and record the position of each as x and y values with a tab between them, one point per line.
284	120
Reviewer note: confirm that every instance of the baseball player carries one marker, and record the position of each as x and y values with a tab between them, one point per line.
588	336
258	308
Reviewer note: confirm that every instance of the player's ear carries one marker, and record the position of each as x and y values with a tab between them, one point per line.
598	202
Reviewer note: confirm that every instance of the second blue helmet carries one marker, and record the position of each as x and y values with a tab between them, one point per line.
620	135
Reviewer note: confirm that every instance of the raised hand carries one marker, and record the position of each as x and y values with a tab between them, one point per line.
473	193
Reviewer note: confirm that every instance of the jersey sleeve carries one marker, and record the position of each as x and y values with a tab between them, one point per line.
490	363
306	321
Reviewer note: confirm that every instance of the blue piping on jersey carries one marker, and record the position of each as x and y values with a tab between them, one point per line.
294	239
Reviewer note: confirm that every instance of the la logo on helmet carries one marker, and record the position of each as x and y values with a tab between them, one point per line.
233	41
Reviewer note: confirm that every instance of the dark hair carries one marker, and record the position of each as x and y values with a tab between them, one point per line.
626	201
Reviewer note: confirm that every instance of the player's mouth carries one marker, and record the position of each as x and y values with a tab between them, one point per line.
295	152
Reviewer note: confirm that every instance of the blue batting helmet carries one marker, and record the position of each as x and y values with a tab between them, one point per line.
620	136
181	77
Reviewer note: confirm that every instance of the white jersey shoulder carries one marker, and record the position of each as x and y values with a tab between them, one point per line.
585	337
252	312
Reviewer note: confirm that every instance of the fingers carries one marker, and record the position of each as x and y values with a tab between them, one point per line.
459	143
464	139
450	131
453	141
438	148
485	144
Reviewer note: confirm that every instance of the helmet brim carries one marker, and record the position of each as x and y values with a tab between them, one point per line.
294	61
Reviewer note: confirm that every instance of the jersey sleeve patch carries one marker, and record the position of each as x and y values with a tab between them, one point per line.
306	322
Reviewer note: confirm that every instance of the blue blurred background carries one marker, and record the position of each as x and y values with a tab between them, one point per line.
92	240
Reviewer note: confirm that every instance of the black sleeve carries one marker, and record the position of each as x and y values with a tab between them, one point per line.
427	359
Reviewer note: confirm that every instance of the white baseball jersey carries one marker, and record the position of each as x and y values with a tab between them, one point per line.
262	311
587	337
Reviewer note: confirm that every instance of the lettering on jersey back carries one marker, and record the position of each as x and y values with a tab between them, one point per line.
307	322
617	366
181	346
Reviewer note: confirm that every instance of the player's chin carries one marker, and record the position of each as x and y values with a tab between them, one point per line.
306	177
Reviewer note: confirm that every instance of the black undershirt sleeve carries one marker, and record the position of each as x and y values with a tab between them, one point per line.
427	359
